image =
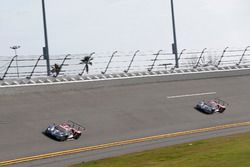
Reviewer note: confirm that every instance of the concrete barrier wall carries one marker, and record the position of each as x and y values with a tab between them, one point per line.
119	82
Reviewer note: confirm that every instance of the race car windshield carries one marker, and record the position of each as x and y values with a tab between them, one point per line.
61	129
212	104
209	108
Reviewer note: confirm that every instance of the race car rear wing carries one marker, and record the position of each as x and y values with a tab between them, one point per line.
221	102
76	125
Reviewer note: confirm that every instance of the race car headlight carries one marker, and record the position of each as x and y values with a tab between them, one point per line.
50	128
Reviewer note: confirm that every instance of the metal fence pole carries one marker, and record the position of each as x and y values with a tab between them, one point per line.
6	72
33	70
224	51
180	56
65	58
126	71
109	62
156	56
203	51
243	55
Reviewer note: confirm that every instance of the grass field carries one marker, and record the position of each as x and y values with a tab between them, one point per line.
229	151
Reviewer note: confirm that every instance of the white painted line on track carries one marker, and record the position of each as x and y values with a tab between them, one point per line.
191	95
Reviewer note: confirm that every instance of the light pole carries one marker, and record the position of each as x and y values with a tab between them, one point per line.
46	48
174	45
15	48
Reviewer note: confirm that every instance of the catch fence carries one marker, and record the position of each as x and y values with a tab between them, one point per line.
33	66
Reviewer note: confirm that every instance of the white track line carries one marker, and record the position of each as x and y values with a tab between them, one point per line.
191	95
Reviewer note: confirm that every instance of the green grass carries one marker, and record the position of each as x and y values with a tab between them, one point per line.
229	151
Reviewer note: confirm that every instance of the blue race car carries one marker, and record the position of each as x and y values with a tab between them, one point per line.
65	131
211	106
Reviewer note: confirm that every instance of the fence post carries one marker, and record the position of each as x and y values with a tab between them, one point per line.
180	56
126	71
203	51
179	59
29	77
156	56
6	72
224	51
109	62
243	55
65	58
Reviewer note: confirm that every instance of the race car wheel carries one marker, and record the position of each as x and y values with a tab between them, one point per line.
64	138
77	136
222	110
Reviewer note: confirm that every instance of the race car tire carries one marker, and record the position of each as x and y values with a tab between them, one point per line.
64	138
77	136
221	111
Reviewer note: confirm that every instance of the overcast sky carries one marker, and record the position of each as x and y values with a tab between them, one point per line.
80	26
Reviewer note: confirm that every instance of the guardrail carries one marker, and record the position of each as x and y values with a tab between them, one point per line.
119	62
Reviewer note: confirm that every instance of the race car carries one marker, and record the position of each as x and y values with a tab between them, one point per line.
211	106
64	131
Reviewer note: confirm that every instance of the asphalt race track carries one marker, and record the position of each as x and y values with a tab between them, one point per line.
115	113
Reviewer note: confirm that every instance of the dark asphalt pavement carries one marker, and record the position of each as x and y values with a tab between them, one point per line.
114	113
